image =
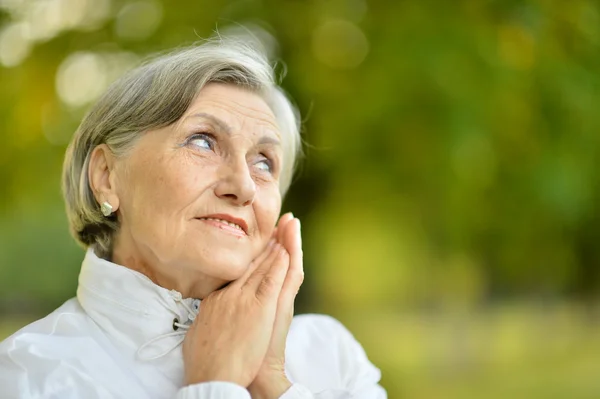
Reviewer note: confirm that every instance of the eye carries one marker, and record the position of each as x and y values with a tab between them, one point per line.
265	165
201	140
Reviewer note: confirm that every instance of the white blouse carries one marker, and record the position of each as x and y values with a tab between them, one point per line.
116	340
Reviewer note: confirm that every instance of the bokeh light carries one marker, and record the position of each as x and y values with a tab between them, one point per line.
450	192
340	44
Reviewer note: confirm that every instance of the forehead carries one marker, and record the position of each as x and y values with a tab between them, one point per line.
235	105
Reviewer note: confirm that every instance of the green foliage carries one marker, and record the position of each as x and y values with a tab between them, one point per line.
452	162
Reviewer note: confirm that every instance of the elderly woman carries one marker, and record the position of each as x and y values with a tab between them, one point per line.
173	183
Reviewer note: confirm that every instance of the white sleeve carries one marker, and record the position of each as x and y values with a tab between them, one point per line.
29	371
213	390
298	391
360	377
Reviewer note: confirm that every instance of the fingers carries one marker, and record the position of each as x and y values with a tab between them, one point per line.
271	284
263	255
269	276
291	285
286	217
283	220
269	270
290	236
281	225
256	263
295	274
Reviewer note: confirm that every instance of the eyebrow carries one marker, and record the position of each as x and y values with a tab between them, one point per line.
227	129
219	122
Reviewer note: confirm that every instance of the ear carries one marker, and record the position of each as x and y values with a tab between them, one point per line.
102	176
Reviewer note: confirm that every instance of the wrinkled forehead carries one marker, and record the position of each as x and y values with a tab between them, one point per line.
234	109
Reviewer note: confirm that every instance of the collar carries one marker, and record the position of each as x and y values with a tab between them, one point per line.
133	310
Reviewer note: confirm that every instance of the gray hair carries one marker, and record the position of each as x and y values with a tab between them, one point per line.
155	95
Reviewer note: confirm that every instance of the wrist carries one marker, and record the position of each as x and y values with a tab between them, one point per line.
271	387
201	376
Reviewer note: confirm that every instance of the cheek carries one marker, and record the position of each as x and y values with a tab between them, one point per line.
162	187
150	185
267	208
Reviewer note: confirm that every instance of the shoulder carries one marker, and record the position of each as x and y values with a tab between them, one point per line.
61	334
48	353
319	321
68	318
321	353
316	319
320	327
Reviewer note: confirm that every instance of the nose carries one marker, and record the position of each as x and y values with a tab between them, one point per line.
236	184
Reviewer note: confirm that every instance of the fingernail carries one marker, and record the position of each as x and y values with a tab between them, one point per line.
271	242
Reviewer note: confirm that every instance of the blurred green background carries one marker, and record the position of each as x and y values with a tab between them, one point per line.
448	197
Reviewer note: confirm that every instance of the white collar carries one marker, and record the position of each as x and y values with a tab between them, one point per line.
131	308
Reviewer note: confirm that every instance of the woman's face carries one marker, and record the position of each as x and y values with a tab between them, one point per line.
198	200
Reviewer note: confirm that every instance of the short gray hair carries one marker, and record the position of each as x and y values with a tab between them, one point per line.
154	95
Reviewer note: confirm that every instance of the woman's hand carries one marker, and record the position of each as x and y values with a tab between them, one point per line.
271	381
230	336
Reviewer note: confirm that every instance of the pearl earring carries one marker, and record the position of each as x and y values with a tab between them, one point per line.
106	208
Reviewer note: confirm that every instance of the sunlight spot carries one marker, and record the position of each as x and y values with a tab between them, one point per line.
139	20
83	76
14	44
340	44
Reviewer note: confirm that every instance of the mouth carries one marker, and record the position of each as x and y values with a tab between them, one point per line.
227	222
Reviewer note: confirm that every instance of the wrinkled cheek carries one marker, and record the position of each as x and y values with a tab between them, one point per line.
148	203
270	209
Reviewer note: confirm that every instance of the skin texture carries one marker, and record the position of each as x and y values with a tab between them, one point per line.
172	177
270	381
222	157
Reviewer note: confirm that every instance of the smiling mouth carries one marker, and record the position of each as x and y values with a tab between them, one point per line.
235	226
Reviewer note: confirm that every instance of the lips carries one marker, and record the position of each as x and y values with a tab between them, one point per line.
229	220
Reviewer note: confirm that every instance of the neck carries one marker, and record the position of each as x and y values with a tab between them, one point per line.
189	282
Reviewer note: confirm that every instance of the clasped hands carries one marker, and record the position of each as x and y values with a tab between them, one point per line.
240	334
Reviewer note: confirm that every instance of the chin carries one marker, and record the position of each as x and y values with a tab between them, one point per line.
226	265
